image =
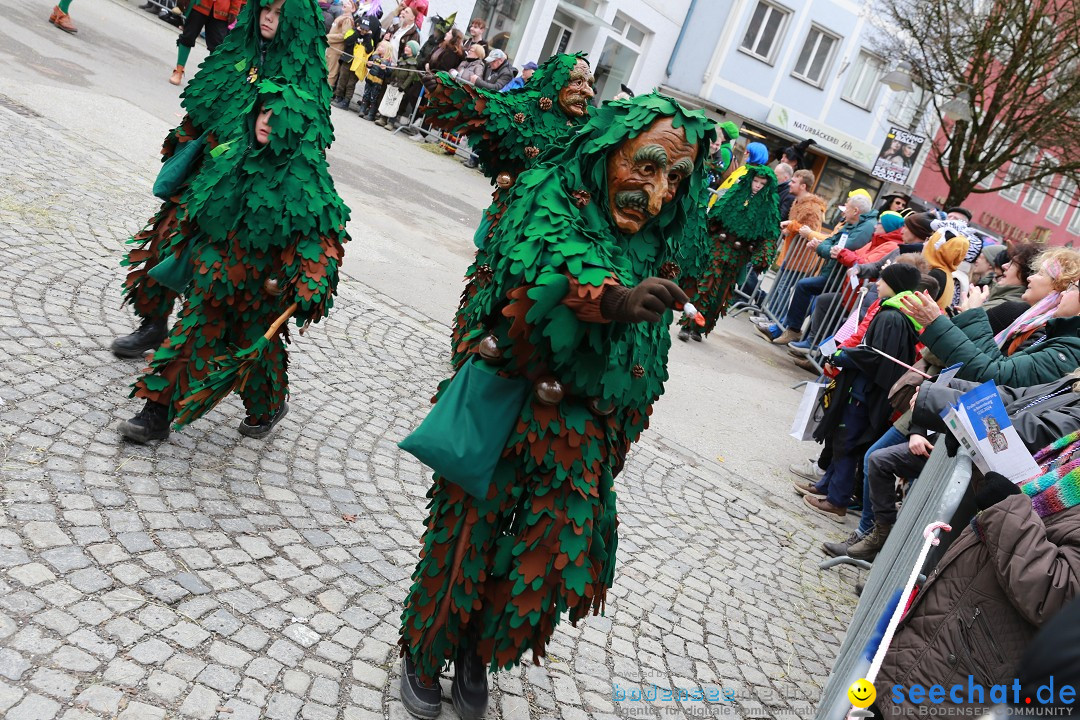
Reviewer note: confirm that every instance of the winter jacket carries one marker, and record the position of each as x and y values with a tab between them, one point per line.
1007	574
1003	293
403	76
494	79
783	190
954	341
807	211
444	58
335	41
867	377
219	9
858	234
468	67
402	40
881	245
1040	413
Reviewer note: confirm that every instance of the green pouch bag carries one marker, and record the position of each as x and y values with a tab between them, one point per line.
174	172
465	432
175	271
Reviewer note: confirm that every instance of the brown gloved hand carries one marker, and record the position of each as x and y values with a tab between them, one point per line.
904	389
645	302
431	83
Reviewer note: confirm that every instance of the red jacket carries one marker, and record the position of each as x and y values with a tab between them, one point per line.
219	9
880	246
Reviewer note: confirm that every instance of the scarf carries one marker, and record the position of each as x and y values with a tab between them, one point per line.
894	302
1058	488
1033	318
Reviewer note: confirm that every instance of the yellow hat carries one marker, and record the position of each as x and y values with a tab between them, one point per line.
860	191
945	255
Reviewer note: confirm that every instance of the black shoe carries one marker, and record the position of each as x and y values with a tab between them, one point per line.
152	423
261	430
150	334
470	688
423	701
472	163
696	335
684	335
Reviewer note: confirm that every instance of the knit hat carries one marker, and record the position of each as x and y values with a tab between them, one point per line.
960	211
414	46
859	191
919	225
945	255
901	277
890	220
757	153
729	130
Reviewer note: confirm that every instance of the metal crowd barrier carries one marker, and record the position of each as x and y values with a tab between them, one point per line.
940	494
428	132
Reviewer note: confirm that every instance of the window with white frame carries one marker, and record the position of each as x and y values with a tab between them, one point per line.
765	31
1074	224
862	80
987	181
1036	193
1063	196
816	56
1017	169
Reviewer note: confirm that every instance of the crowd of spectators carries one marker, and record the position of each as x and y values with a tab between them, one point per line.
926	291
375	58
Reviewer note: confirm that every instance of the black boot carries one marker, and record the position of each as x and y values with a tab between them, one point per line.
152	423
150	334
684	335
696	334
262	429
423	701
470	689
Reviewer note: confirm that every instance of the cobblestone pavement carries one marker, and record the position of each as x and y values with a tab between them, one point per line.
213	576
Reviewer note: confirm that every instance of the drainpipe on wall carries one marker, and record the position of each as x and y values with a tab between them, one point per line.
678	41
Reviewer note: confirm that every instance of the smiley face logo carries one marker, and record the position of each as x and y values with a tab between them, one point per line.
861	693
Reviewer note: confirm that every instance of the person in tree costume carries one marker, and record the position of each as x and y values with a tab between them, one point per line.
507	131
743	227
272	38
577	305
270	230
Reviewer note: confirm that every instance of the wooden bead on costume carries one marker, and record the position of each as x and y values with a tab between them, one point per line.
600	406
549	391
272	287
489	349
737	244
504	180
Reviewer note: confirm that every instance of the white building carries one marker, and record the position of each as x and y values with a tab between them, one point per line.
788	70
628	41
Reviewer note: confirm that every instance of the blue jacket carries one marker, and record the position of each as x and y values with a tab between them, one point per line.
514	84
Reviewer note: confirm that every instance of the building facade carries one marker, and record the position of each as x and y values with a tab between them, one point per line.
788	70
1044	214
629	42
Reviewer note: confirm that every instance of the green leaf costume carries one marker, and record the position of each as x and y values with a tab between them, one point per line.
257	214
218	100
502	570
508	132
743	228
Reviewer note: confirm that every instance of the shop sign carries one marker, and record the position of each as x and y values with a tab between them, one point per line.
836	142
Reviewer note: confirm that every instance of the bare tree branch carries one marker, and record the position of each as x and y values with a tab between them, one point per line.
1017	65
